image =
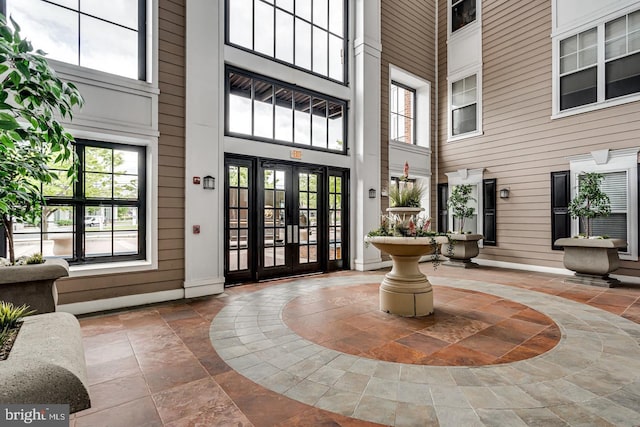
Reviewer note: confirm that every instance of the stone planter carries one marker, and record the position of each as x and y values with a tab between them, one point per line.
405	213
405	290
592	260
460	249
34	285
46	364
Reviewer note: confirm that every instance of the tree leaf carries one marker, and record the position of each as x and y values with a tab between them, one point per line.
8	122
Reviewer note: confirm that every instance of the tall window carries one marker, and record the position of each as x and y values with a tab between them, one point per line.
307	34
108	36
582	70
463	12
615	186
274	111
99	218
464	105
620	171
402	114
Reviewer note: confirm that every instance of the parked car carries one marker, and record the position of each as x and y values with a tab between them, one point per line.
93	220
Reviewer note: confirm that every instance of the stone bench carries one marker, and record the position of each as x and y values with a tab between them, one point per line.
46	364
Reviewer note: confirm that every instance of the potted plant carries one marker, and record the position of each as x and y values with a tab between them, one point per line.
34	145
592	258
461	246
406	199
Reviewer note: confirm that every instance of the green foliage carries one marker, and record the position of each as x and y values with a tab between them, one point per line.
10	314
64	222
32	138
35	259
590	202
406	196
458	203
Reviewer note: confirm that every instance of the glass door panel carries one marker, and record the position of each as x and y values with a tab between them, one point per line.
238	221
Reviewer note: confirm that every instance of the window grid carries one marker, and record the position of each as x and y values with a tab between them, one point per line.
85	229
581	71
282	113
464	100
402	123
299	23
336	209
239	219
140	30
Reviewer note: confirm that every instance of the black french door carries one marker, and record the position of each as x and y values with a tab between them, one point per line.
283	219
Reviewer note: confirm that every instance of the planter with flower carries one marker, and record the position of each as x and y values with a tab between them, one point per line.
462	246
406	237
592	258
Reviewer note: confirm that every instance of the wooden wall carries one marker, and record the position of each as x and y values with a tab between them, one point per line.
170	273
521	144
408	42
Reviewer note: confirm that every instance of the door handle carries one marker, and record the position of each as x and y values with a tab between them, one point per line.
289	234
295	234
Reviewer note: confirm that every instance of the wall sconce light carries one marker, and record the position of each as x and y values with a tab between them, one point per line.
504	193
372	193
209	183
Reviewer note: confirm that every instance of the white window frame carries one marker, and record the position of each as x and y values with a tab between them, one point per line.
393	115
466	28
601	101
471	177
450	81
422	109
608	161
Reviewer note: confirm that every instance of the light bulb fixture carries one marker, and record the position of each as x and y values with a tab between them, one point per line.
209	183
504	193
372	193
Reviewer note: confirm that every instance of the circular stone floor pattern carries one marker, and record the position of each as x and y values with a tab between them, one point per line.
593	374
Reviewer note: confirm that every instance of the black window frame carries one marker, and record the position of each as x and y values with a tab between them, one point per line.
141	30
414	112
79	202
295	88
344	37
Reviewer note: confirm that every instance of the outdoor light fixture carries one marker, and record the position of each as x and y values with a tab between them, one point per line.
209	183
504	193
372	193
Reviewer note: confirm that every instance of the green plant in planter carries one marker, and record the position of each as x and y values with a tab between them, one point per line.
458	203
33	140
590	202
407	194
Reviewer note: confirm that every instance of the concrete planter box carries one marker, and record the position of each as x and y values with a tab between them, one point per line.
46	364
34	285
461	249
592	260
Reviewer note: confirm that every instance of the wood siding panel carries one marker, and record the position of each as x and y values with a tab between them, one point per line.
521	144
408	42
170	272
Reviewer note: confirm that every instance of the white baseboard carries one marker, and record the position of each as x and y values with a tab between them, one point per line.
121	302
200	291
526	267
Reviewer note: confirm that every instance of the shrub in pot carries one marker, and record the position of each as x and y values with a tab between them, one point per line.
592	258
461	247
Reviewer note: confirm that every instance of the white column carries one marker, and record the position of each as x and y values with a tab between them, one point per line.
204	155
366	142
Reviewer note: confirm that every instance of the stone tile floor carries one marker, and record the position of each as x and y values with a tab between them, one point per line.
315	351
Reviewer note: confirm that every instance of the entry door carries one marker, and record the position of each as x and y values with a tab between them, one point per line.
289	220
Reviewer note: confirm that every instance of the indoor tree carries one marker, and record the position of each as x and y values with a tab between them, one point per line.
32	99
459	203
590	202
